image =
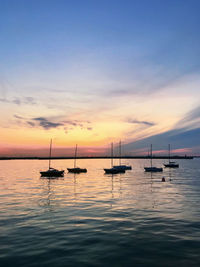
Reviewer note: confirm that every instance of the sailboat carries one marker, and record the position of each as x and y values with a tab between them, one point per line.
121	167
152	169
76	169
112	170
51	172
170	164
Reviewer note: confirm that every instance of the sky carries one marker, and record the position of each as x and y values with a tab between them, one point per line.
93	72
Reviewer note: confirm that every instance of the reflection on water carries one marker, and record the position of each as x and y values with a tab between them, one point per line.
93	219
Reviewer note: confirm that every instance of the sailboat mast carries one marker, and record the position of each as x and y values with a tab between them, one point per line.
50	154
151	155
75	156
120	152
111	155
169	152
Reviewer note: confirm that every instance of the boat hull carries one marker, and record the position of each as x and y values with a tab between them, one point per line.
171	165
112	171
52	173
128	168
153	169
122	167
76	170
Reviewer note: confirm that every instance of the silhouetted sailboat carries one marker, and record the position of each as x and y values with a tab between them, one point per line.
171	164
112	170
121	167
152	169
51	172
76	169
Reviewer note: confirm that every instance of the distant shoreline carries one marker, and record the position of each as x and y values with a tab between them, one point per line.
100	157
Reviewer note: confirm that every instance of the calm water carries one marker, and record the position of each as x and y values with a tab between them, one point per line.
92	219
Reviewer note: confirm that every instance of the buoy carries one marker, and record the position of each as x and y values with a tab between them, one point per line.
163	179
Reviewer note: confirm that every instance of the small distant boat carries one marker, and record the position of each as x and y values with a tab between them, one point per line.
51	172
121	167
170	164
76	169
151	168
113	170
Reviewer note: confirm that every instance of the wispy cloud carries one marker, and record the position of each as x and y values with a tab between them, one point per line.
4	100
16	101
146	80
18	117
185	133
178	140
190	119
134	121
19	101
48	123
30	100
32	124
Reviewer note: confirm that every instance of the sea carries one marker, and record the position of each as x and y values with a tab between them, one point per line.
94	219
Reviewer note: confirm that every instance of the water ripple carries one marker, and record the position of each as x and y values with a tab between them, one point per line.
92	219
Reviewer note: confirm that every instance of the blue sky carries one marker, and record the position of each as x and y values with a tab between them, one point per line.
111	64
163	32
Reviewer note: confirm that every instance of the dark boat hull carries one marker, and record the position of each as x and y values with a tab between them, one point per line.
153	169
52	173
122	167
128	168
171	165
112	171
76	170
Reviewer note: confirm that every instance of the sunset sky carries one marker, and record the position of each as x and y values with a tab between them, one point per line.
94	72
